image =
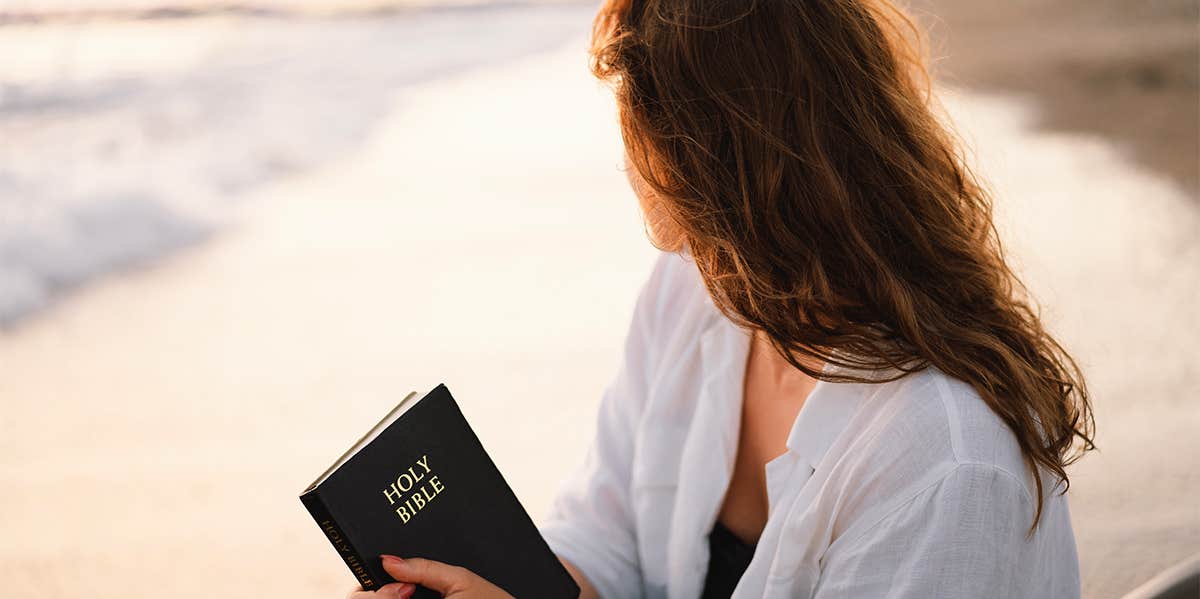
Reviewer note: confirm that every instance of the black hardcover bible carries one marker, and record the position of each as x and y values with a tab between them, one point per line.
419	484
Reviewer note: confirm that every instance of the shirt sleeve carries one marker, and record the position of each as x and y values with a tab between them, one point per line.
962	536
591	521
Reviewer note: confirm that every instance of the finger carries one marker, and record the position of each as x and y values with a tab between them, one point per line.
440	577
395	590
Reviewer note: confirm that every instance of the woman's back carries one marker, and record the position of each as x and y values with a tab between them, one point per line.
909	488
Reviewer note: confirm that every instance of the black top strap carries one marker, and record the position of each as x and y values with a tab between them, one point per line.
728	557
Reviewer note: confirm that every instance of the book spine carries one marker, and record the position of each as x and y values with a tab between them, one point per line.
341	542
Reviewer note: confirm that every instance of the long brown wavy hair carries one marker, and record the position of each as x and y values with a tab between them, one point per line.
794	146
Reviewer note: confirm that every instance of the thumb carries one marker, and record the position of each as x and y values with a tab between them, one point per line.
440	577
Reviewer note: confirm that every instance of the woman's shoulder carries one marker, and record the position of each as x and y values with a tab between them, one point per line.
674	299
675	279
928	427
929	459
927	470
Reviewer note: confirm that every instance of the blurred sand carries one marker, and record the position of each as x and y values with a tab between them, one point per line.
158	427
1127	70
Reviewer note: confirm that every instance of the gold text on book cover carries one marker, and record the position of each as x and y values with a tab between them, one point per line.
413	489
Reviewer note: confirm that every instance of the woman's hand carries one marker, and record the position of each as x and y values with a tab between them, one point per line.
451	581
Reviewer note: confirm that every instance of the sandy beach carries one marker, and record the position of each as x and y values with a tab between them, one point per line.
1124	70
158	425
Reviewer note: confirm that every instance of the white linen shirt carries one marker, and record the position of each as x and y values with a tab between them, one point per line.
910	488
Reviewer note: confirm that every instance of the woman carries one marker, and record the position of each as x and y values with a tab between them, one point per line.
832	385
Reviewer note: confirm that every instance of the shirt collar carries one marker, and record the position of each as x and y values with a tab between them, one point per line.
828	410
823	417
825	413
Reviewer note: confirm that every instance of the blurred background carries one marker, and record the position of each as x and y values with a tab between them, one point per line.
233	235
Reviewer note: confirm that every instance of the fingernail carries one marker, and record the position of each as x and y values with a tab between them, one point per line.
391	560
397	590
